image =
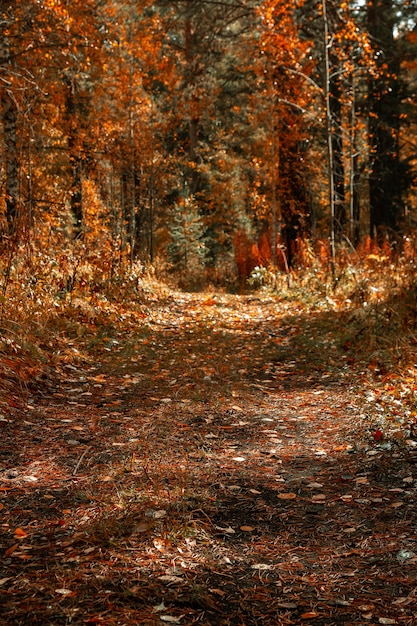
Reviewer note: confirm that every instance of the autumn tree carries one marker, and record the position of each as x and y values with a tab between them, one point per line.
209	44
285	89
11	82
46	57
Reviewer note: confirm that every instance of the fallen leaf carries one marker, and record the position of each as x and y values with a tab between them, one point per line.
286	605
170	619
261	566
64	592
247	529
143	527
228	531
378	435
19	533
287	496
170	579
386	620
218	592
404	601
10	550
310	615
362	480
161	544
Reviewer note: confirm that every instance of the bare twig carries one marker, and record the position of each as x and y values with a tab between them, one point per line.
80	460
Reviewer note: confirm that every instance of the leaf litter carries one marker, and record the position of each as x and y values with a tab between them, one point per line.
215	466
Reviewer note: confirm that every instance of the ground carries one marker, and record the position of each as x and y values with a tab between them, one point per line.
211	462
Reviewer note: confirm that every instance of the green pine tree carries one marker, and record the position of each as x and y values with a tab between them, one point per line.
187	248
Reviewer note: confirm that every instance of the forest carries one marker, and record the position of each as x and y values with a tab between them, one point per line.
207	138
208	286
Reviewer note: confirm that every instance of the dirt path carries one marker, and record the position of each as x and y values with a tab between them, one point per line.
210	466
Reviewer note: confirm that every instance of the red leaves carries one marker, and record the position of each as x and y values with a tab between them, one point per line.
378	434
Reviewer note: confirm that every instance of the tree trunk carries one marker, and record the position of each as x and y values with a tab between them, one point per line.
335	104
354	176
194	105
385	181
329	131
75	157
9	120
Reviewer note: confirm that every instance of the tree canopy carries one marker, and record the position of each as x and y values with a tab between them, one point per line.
277	122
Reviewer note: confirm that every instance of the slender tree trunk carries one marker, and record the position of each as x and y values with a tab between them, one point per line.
9	120
76	192
151	187
335	105
329	129
194	104
75	157
132	181
276	212
354	200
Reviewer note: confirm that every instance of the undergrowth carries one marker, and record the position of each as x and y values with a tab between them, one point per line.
59	307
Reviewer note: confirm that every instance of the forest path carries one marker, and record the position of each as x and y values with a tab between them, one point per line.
209	465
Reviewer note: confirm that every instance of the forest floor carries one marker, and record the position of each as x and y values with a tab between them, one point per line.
208	460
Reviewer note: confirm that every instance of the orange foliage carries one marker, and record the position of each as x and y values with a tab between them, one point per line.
250	254
323	251
264	247
244	256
